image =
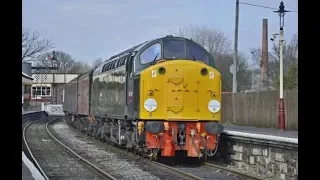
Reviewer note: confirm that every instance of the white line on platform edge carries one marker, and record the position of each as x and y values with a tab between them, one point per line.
262	136
34	171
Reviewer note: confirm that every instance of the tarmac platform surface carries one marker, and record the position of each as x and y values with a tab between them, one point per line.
29	171
262	131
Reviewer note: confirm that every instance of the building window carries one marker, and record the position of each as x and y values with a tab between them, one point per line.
40	91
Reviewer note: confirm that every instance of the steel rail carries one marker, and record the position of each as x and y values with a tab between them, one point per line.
77	155
29	150
179	172
233	171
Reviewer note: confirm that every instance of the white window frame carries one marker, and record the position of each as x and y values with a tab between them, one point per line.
46	86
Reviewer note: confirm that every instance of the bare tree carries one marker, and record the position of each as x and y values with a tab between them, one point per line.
223	63
33	45
66	64
290	61
80	68
96	63
219	46
214	40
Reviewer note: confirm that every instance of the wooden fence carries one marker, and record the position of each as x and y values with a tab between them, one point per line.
259	109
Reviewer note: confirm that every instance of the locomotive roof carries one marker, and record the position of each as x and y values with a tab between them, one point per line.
139	46
136	48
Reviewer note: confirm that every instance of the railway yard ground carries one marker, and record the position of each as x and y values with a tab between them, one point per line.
63	152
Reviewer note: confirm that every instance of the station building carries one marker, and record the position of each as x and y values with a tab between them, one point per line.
47	88
27	79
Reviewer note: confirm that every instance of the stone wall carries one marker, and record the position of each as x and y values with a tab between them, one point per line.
270	160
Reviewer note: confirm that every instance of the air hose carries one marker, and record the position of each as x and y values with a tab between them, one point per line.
153	154
206	148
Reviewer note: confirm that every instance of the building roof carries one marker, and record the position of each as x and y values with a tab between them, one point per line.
26	80
26	76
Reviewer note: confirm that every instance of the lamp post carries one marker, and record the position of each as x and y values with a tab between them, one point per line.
252	84
281	113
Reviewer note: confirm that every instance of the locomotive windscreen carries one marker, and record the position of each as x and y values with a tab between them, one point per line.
181	49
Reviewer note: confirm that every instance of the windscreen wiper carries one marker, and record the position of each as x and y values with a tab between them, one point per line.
155	58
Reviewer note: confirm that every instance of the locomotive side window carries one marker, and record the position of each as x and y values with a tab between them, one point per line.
109	66
112	65
122	61
104	68
118	63
150	54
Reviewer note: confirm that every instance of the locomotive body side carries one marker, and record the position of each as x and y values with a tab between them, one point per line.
108	91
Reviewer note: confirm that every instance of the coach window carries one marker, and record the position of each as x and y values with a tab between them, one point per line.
150	54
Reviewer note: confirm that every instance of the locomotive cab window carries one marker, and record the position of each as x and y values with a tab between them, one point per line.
150	54
195	52
174	49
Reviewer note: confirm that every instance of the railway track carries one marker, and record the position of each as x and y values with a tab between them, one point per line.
186	171
54	159
241	174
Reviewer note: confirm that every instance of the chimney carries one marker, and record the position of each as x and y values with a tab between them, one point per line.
264	55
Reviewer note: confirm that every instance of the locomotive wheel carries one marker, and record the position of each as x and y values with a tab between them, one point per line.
155	158
130	149
205	156
103	139
135	151
127	149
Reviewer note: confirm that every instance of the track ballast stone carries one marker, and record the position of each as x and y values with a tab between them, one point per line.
56	163
106	160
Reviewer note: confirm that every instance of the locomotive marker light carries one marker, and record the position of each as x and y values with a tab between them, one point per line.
214	106
281	114
150	105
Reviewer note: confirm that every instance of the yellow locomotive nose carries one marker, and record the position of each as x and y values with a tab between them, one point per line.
181	90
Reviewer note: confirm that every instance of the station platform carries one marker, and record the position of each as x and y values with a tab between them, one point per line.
262	133
29	171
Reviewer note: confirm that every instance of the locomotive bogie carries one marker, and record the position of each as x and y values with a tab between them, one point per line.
191	137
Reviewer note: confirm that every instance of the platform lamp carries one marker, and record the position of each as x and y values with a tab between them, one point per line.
281	113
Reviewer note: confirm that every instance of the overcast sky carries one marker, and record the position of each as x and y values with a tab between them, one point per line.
89	29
